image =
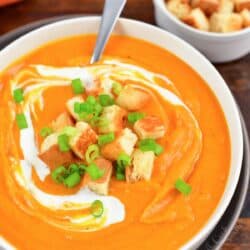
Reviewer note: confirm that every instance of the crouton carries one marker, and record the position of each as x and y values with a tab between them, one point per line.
245	14
62	121
84	137
132	98
70	106
100	186
225	22
51	154
142	166
124	143
150	127
179	8
208	6
226	7
241	5
113	118
197	19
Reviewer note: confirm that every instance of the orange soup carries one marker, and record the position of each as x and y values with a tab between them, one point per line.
132	152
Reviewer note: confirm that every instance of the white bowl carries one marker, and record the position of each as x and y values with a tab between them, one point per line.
216	47
181	49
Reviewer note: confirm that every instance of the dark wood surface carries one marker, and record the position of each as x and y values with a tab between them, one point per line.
236	74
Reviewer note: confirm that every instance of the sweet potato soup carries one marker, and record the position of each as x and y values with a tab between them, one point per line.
132	152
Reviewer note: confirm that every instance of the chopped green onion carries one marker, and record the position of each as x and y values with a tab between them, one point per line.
94	171
150	145
120	174
97	109
69	131
92	153
21	121
18	95
63	142
82	169
77	86
117	88
123	160
105	100
135	116
72	180
107	138
44	132
97	208
91	100
73	168
86	107
77	107
183	187
59	174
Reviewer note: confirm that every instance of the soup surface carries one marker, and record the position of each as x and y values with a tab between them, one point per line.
130	153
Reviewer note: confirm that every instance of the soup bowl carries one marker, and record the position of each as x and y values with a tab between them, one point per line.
181	49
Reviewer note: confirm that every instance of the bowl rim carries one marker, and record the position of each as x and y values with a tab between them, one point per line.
204	34
229	189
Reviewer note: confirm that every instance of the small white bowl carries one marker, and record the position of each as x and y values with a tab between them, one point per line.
159	37
216	47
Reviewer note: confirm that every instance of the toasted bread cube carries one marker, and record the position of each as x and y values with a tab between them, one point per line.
62	121
208	6
142	166
245	14
242	4
51	154
70	106
100	186
114	116
225	22
197	19
150	127
84	137
124	143
132	98
226	7
179	8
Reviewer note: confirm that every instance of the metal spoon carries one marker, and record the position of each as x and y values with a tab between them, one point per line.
111	12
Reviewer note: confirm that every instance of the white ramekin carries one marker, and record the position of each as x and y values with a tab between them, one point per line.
86	25
215	46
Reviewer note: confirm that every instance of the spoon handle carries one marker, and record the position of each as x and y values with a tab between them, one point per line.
111	12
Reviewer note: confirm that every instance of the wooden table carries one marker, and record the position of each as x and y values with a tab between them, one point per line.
236	74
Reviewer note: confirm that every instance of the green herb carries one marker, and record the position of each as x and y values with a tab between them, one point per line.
77	107
123	160
44	132
107	138
77	86
72	180
105	100
69	131
21	121
97	208
117	88
150	145
120	174
92	153
63	142
91	99
18	95
183	187
73	168
135	116
59	174
94	171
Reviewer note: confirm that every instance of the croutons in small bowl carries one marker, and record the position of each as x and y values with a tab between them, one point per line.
227	40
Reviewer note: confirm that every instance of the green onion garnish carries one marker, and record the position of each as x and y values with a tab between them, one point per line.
77	86
120	174
77	107
94	171
18	95
135	116
105	100
91	99
183	187
63	142
72	180
123	160
69	131
150	145
92	153
107	138
21	121
44	132
59	174
97	208
73	168
117	88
